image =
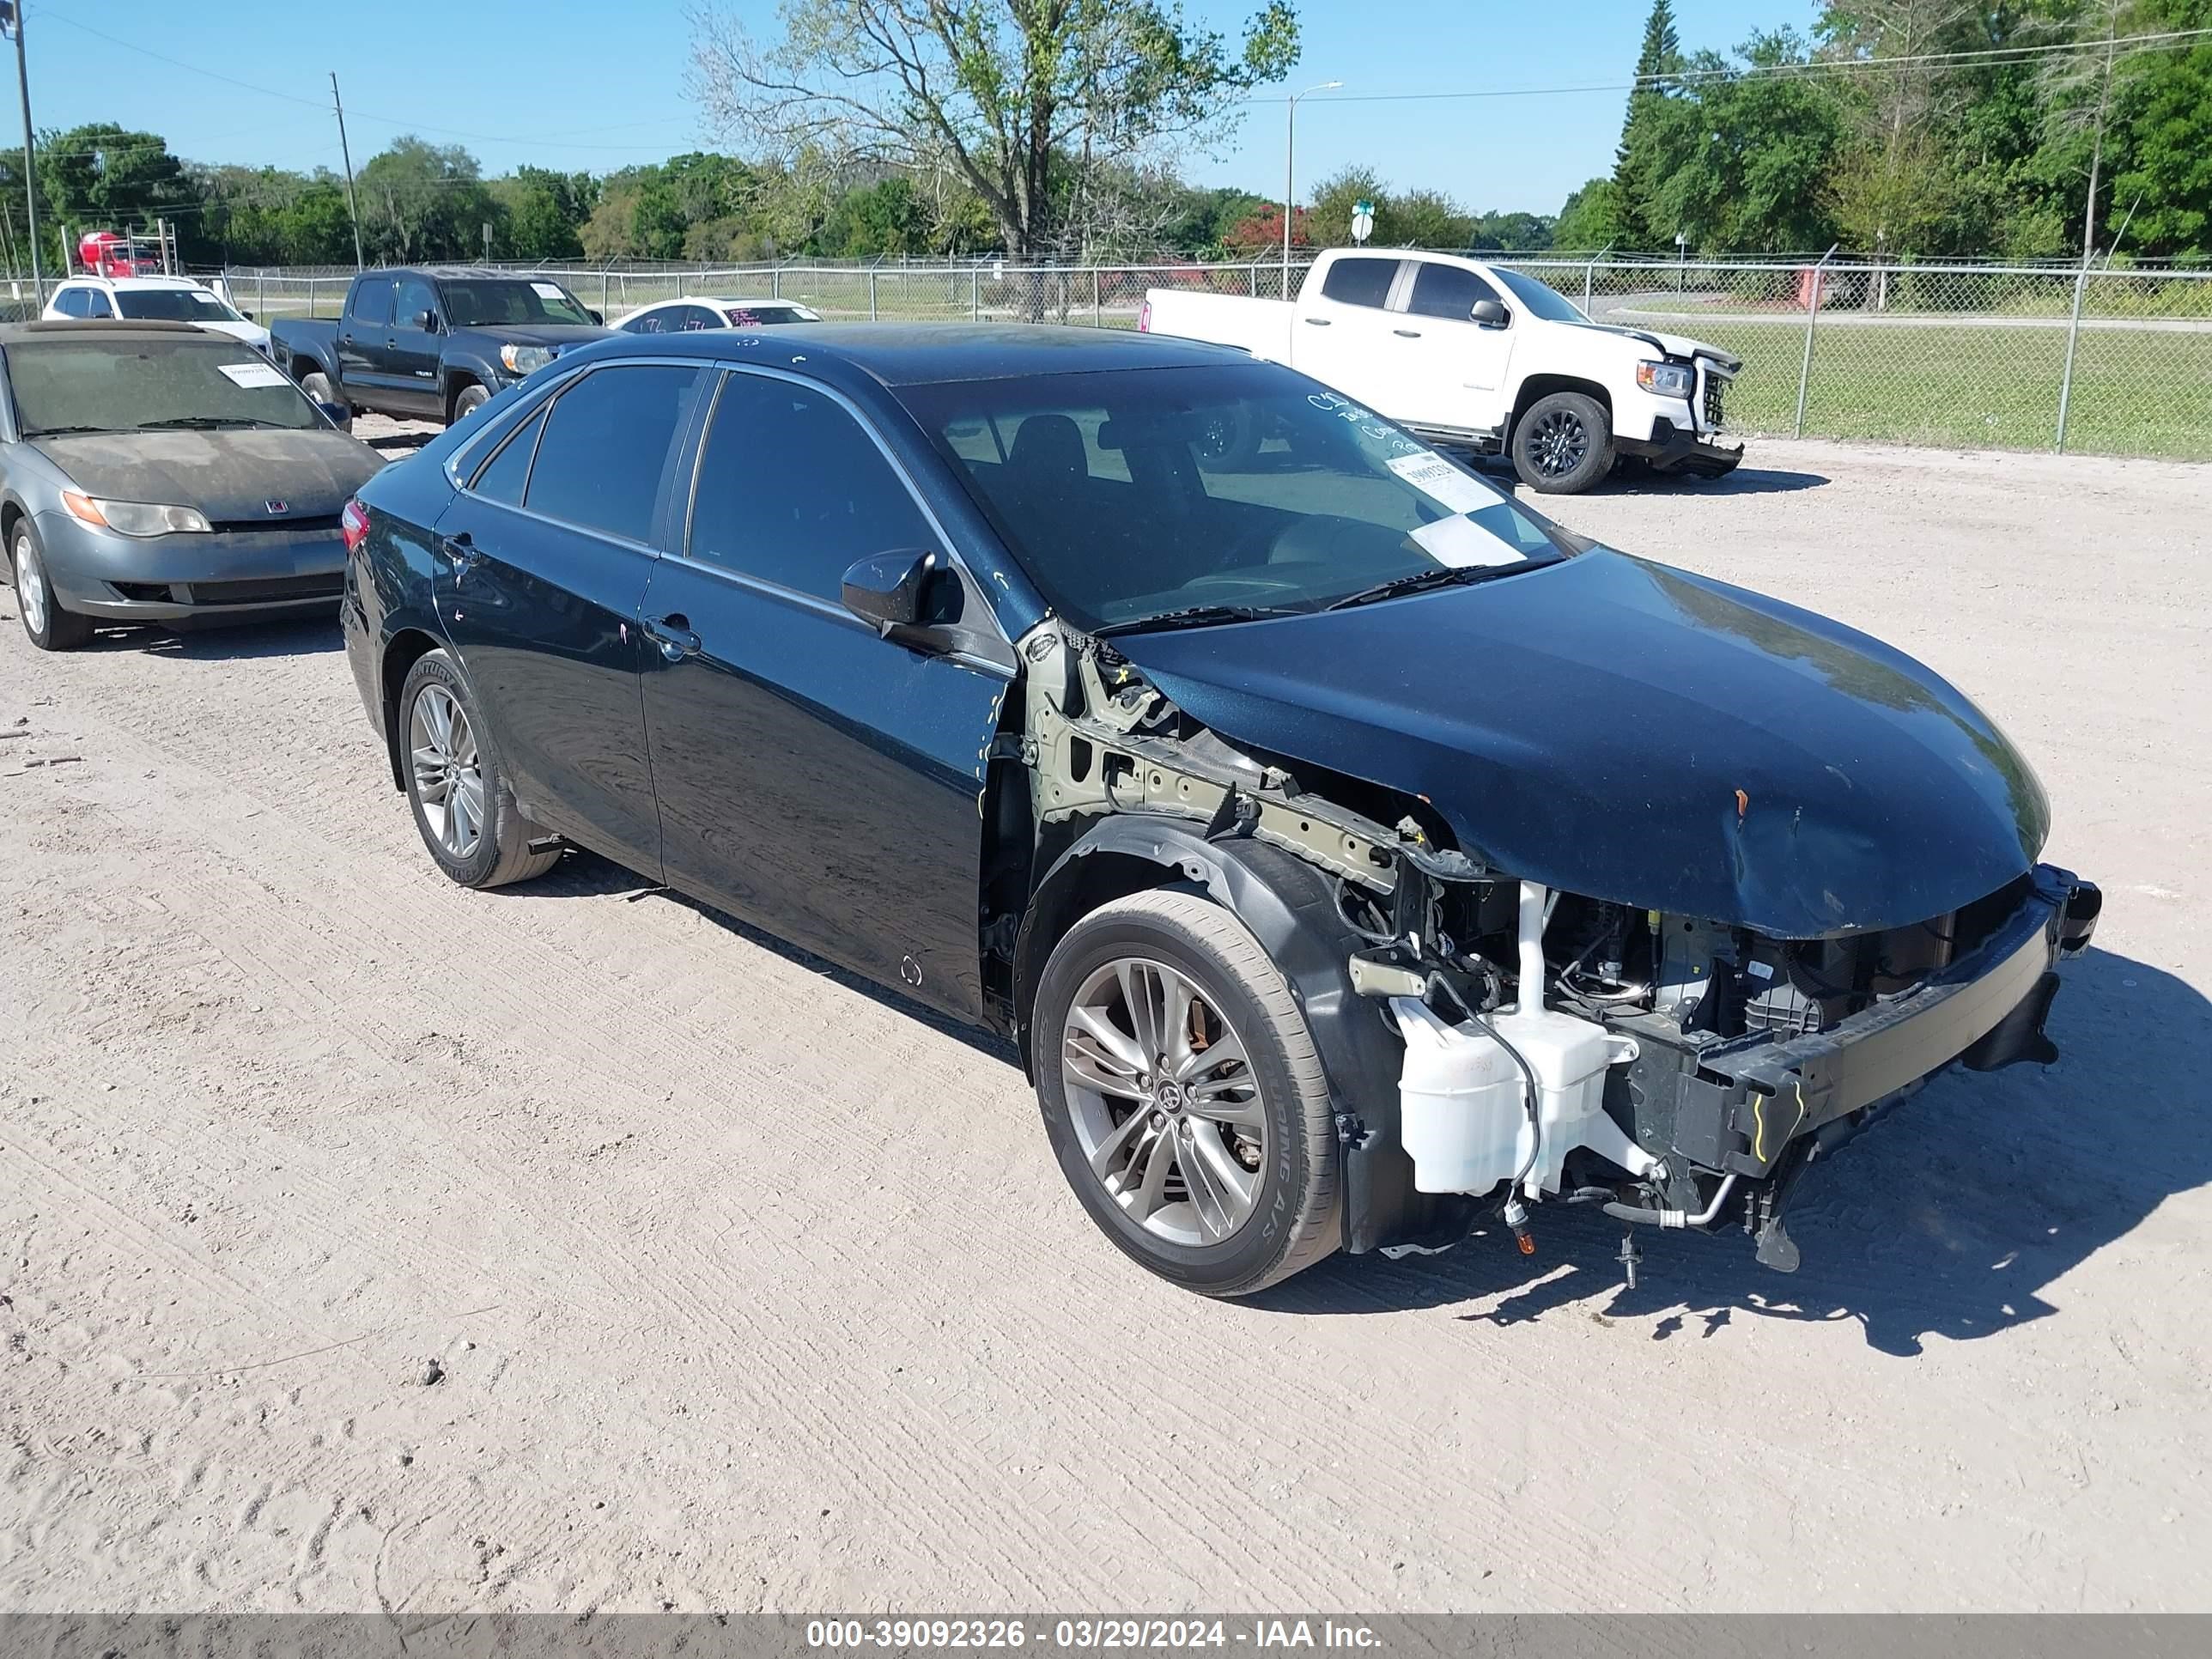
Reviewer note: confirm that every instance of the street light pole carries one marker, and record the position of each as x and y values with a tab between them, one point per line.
11	14
1290	172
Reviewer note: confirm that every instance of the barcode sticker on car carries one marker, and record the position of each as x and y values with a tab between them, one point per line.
251	374
547	291
1438	479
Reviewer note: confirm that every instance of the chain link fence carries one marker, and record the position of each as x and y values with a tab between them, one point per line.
2116	361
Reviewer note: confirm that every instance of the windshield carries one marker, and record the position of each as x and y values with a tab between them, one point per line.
1134	494
1546	302
489	303
112	385
174	305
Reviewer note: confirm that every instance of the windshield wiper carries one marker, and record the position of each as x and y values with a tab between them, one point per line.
1415	581
211	422
1194	616
68	431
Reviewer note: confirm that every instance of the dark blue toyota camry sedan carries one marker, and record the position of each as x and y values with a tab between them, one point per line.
1352	851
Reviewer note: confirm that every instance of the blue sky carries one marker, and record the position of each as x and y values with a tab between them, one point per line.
566	84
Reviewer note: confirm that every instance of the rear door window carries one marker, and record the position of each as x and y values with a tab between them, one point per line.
96	305
69	302
371	301
1360	281
502	478
792	490
1447	291
608	445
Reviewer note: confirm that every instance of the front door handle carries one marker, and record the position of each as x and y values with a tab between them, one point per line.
1406	333
465	555
1314	322
672	634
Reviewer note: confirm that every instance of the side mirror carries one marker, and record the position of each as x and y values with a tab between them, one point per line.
247	315
897	589
340	415
1488	314
425	320
592	312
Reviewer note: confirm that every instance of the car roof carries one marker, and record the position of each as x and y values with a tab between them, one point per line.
725	300
463	273
921	354
136	281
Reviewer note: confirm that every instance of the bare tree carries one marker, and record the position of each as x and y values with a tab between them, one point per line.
1029	102
2079	86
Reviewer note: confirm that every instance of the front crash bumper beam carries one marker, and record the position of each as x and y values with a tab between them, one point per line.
1745	1108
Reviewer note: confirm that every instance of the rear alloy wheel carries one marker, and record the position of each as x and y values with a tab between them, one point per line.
1563	445
48	626
1183	1097
469	820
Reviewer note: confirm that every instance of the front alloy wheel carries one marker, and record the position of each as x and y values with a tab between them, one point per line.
1165	1103
1563	444
1183	1095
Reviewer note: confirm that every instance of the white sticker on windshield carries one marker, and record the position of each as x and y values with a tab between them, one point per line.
251	374
1438	479
1460	543
547	291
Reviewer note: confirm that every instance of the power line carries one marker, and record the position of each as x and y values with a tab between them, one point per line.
1993	55
406	122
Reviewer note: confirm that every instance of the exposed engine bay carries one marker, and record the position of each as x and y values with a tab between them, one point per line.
1678	1072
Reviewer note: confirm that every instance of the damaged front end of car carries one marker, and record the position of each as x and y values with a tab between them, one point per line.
1494	1040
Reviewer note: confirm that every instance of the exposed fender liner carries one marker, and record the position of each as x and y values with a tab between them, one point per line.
1291	907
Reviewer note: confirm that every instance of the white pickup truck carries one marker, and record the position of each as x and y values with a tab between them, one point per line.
1475	356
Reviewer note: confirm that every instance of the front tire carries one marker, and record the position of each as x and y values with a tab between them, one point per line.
469	399
1183	1097
462	805
46	624
1563	445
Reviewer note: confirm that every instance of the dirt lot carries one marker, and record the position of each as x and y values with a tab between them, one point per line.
746	1290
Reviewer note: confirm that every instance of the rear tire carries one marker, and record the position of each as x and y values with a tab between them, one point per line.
45	624
467	815
319	388
1563	445
1218	1173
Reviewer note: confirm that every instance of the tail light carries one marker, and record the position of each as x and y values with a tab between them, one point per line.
352	525
1144	318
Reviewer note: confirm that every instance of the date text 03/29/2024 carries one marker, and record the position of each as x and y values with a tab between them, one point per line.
1111	1634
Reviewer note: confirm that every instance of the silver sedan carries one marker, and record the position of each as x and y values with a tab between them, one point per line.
158	473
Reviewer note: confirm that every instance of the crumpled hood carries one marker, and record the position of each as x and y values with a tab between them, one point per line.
232	474
1675	345
1628	732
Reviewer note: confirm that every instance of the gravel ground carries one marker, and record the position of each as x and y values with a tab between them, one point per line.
744	1289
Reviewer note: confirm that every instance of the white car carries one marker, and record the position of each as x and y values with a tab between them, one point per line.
1475	356
153	298
680	316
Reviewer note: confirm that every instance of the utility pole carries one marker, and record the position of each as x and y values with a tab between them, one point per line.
11	19
353	209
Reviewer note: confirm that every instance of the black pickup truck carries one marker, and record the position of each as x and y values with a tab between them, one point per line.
432	343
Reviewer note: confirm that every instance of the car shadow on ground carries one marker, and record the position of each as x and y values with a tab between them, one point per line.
1744	480
398	443
583	874
1952	1216
242	643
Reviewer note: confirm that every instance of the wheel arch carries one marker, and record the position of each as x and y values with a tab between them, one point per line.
1291	907
454	377
1538	387
406	648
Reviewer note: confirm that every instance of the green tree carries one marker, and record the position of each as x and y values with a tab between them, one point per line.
424	201
105	177
2164	172
1008	95
541	213
1647	134
1591	219
1753	153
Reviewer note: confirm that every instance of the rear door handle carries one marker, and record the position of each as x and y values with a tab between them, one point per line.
1406	333
465	554
672	634
1314	322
